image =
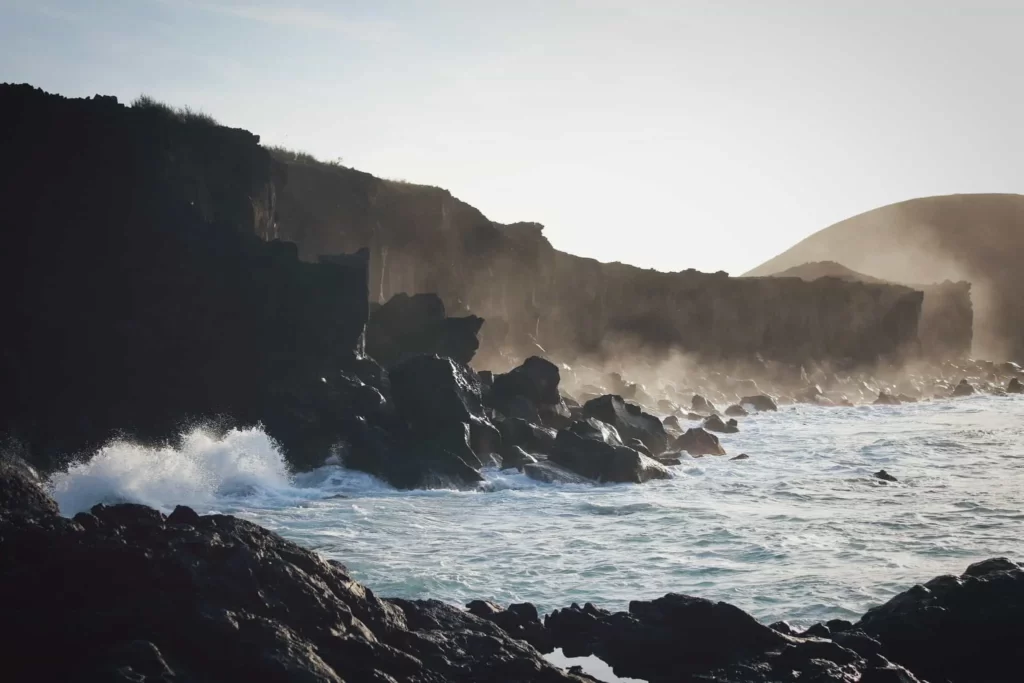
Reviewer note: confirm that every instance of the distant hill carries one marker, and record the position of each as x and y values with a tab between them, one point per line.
817	269
973	237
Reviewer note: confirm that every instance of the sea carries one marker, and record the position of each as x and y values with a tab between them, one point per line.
800	531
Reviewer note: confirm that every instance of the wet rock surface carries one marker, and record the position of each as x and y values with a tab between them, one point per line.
629	420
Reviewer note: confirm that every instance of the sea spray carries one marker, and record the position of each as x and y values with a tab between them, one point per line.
201	469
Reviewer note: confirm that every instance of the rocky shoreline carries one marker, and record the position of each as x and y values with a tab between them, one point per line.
125	593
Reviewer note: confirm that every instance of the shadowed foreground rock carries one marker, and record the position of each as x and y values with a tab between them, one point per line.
124	593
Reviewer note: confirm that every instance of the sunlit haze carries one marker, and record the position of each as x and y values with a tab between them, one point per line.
670	135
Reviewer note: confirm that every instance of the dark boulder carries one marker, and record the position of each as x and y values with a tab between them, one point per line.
21	491
741	456
811	394
666	406
817	631
550	473
530	391
783	627
432	390
446	432
887	399
736	410
838	625
884	476
667	639
603	460
531	437
418	325
697	441
672	422
629	420
514	457
715	424
964	388
760	402
1015	387
519	621
965	629
701	405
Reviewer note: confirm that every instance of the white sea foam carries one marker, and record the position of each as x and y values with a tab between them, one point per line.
202	469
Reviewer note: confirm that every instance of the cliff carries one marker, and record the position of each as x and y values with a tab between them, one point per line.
139	292
422	239
978	238
946	329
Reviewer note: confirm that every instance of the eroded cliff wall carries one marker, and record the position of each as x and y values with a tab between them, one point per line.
138	290
946	329
422	239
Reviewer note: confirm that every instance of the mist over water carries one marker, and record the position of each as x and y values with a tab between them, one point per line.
800	531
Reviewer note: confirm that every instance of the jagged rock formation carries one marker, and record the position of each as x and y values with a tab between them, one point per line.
410	325
124	593
422	239
946	329
138	291
973	237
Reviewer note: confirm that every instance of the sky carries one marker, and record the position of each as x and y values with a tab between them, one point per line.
670	135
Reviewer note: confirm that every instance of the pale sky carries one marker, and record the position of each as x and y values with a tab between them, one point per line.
705	134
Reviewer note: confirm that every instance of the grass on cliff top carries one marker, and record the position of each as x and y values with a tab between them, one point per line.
296	157
183	114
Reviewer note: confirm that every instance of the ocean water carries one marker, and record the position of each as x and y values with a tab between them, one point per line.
801	531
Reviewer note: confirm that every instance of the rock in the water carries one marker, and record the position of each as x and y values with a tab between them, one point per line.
672	422
530	391
741	456
964	388
418	325
697	441
533	438
760	403
736	410
551	473
699	404
440	402
1015	387
630	421
715	424
783	627
514	457
884	476
604	461
965	629
887	399
811	394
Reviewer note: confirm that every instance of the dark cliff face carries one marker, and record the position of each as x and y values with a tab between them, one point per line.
138	290
422	239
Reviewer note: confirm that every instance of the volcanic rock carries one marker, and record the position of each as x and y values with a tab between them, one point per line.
629	420
697	441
